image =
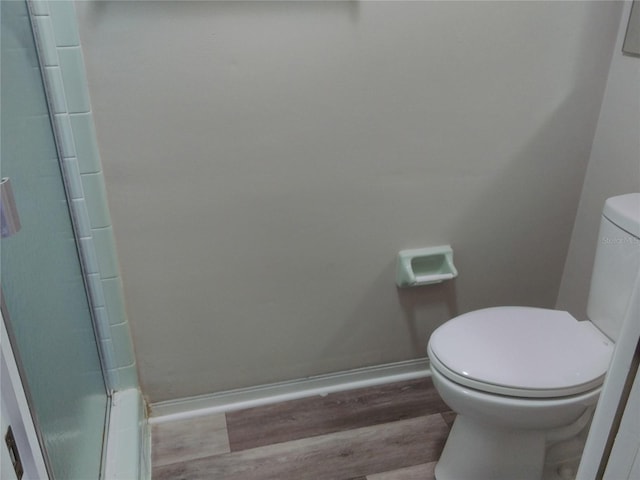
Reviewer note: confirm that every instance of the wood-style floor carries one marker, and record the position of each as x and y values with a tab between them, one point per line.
390	432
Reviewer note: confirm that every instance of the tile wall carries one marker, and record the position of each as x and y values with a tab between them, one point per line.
56	30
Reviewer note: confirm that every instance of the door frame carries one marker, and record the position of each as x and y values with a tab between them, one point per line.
14	402
604	440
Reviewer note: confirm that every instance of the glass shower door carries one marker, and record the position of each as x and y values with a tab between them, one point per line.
44	299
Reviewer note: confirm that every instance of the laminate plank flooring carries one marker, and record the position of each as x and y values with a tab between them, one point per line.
332	413
416	472
341	455
391	432
189	439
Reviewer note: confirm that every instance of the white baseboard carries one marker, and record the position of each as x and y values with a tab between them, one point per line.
291	390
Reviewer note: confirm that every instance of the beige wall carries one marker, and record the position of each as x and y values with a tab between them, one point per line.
614	169
266	161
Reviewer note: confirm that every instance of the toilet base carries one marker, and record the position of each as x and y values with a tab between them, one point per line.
476	451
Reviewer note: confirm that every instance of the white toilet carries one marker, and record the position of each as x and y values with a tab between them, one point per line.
525	379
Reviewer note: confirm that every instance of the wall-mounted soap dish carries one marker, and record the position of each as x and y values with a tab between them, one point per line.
424	266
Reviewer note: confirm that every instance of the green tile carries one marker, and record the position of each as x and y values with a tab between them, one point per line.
88	255
57	100
65	135
82	224
95	289
95	195
106	347
75	187
103	331
113	378
128	377
106	252
114	300
122	345
75	79
48	51
65	25
40	7
84	135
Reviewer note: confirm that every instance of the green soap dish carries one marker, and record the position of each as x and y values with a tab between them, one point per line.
425	266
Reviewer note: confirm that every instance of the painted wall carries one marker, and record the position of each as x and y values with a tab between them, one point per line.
266	161
614	169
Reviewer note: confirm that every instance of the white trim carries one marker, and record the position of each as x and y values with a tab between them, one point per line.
612	389
14	402
291	390
126	437
624	455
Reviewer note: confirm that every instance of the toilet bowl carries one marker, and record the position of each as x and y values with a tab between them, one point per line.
519	367
514	376
523	379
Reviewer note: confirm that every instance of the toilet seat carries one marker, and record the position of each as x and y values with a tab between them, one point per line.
521	352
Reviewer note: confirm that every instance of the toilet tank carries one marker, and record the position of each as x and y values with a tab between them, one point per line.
616	265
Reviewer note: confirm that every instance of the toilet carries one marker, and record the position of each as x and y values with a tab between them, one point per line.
524	381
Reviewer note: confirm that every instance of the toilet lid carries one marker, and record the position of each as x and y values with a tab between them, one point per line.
521	351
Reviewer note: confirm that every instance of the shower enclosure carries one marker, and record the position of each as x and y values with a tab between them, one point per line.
44	300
